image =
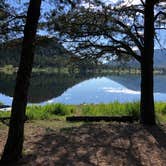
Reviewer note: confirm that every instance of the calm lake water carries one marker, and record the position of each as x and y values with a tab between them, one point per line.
61	88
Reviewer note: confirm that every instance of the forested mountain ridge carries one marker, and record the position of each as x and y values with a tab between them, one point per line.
48	52
159	61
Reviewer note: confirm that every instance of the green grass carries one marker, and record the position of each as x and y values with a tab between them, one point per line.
160	108
4	114
50	111
53	111
111	109
60	111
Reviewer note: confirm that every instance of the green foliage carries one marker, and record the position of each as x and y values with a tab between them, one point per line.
4	114
50	111
133	109
56	111
49	53
36	112
112	109
161	107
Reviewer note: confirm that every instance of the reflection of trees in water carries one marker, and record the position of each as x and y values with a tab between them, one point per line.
46	86
43	86
7	83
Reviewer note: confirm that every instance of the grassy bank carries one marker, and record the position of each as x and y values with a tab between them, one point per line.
60	111
10	69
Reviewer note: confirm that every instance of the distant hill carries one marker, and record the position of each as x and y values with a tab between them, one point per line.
159	61
160	58
48	52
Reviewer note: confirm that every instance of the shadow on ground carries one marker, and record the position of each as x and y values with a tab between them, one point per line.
159	133
97	145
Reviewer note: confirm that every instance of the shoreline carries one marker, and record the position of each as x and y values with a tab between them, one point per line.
9	69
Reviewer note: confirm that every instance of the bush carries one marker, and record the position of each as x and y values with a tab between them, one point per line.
57	109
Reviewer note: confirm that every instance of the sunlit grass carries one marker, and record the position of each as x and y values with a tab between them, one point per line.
50	111
60	111
111	109
4	113
160	108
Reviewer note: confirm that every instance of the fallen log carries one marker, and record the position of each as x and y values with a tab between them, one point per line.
5	120
101	118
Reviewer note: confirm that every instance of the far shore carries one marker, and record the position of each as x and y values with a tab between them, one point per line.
9	69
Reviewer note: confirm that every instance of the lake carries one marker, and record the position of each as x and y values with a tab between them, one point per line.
76	89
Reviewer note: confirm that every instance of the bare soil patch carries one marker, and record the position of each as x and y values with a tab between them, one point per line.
93	144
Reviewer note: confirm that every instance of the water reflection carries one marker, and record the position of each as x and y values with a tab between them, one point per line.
43	86
96	90
77	89
133	82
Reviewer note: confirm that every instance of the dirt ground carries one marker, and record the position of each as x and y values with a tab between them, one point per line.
96	144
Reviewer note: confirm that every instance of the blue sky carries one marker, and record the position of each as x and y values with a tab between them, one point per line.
47	5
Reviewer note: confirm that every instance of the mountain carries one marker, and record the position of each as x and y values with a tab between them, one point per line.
48	52
159	61
160	58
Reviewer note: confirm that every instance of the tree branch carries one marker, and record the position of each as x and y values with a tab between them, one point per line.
158	14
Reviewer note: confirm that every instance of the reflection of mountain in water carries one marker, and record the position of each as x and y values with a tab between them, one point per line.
47	86
43	86
133	82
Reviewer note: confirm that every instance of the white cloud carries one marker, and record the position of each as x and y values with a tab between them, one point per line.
122	90
128	2
134	2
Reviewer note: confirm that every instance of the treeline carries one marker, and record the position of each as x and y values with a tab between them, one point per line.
49	54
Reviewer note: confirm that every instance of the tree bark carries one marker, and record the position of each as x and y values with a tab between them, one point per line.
14	145
147	98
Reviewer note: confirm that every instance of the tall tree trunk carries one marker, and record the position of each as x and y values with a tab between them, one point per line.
147	98
14	145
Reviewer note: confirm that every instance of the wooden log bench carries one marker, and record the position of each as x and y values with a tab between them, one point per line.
129	119
5	120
